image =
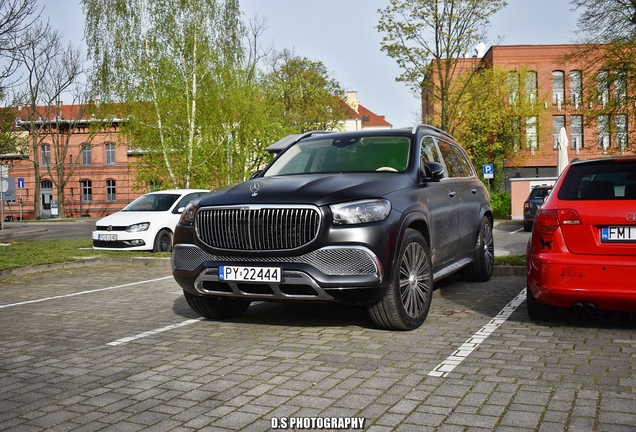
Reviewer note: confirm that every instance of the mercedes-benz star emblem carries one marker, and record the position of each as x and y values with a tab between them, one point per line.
254	187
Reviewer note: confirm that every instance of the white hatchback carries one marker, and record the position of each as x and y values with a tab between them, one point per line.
147	223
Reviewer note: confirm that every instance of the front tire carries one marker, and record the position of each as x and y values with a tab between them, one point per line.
527	226
163	241
217	307
408	299
481	269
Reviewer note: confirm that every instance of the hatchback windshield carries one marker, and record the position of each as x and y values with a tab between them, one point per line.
602	180
152	202
358	154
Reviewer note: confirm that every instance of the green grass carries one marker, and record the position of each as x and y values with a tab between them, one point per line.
38	252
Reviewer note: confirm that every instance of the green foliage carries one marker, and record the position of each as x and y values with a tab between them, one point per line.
511	260
501	205
428	37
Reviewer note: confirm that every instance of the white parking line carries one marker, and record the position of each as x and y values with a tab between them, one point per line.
452	361
155	331
514	232
83	292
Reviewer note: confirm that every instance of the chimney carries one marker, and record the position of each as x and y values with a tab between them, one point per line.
351	97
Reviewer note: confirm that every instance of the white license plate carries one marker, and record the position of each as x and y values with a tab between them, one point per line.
618	233
107	237
249	274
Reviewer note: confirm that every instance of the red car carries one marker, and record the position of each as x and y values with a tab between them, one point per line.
582	252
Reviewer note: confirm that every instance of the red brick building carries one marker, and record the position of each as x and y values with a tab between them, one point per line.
558	82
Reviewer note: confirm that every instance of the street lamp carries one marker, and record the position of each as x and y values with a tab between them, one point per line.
81	192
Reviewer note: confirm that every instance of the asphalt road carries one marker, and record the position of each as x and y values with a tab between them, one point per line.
115	347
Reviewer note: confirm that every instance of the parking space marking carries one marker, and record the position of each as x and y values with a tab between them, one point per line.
455	359
155	331
83	292
515	232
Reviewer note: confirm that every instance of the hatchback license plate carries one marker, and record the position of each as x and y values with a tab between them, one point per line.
107	237
618	233
249	274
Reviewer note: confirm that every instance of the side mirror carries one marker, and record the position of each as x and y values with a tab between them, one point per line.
256	174
180	210
432	171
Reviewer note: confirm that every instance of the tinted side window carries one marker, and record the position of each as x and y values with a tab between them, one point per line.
462	161
452	165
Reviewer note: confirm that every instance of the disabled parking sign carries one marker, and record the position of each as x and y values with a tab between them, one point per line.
489	171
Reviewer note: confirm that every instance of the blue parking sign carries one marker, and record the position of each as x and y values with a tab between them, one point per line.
20	182
489	171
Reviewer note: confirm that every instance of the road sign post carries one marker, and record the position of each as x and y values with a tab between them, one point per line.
20	186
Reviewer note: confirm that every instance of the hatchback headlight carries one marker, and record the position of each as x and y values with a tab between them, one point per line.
358	212
138	227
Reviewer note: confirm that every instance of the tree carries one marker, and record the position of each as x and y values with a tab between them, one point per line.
50	70
16	16
492	118
180	72
302	94
607	21
608	56
428	37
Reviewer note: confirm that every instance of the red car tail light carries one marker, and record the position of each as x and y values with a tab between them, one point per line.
526	205
569	217
546	220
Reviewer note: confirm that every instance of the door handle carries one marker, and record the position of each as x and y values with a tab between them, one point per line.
452	194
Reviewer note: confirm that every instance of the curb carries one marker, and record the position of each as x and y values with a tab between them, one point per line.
87	262
507	270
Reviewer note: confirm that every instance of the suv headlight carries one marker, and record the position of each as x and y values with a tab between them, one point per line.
358	212
187	217
138	227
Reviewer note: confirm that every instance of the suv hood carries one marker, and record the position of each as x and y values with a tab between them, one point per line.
318	189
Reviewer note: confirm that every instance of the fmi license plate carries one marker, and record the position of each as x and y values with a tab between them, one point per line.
107	237
618	233
249	274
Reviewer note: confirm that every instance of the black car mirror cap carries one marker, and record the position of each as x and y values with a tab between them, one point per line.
432	171
256	174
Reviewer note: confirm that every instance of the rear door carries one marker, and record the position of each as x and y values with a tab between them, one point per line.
603	194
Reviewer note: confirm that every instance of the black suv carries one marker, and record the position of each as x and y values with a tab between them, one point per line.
368	217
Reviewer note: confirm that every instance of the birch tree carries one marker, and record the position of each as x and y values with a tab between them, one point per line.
179	70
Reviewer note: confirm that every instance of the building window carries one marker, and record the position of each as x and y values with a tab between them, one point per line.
110	154
110	190
45	159
86	155
602	78
154	186
513	87
557	123
87	191
621	131
620	87
558	87
576	88
603	132
531	87
576	131
531	133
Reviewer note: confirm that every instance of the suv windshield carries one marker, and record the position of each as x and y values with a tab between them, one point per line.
152	202
358	154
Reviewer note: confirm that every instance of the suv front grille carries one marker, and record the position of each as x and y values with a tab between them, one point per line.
257	227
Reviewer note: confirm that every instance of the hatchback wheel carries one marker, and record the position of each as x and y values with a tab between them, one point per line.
216	307
163	241
480	270
408	299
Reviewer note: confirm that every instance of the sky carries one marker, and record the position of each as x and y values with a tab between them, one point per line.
342	35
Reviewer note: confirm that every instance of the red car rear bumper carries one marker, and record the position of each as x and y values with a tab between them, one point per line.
561	279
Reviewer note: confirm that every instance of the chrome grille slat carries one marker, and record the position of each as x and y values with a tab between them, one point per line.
257	227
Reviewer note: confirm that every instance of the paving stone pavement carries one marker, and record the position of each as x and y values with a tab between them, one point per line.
114	347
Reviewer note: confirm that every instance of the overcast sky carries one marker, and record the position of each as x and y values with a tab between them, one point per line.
342	35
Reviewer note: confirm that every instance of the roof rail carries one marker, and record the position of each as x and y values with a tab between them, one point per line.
435	128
